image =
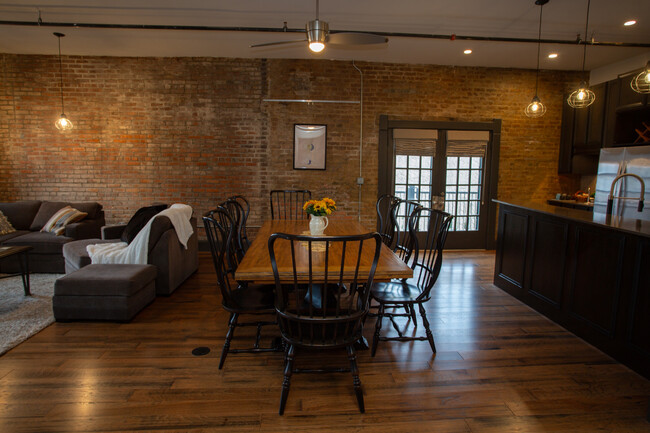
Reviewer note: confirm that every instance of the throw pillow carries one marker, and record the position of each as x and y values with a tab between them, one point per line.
139	220
5	225
62	218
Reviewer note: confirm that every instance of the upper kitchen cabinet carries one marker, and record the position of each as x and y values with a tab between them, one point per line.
628	99
628	116
583	133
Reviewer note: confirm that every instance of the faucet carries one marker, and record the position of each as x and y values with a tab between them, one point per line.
610	198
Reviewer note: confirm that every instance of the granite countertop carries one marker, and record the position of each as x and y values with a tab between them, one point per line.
629	225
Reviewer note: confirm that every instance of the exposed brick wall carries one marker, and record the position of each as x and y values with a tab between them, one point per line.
196	130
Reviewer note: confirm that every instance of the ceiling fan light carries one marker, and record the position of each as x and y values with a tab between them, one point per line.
535	108
581	98
63	123
317	34
641	82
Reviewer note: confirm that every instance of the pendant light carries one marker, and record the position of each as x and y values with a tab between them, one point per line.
641	82
63	123
536	108
583	97
317	33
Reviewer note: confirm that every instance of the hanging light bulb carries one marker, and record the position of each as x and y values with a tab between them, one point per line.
62	123
583	97
536	108
641	82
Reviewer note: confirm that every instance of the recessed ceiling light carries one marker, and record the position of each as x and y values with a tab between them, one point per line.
467	51
552	56
629	23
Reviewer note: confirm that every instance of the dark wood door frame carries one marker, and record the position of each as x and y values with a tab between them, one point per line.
386	164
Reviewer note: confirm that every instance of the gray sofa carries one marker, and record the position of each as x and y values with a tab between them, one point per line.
29	216
174	263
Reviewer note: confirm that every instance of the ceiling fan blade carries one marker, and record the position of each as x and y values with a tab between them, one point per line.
268	44
351	38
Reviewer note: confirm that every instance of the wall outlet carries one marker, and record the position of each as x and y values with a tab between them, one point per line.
359	181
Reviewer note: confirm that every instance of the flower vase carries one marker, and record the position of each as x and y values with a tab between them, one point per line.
317	225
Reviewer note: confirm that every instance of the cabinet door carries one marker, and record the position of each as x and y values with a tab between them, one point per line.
597	117
613	90
628	98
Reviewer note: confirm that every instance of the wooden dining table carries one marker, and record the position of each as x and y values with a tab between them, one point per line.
255	267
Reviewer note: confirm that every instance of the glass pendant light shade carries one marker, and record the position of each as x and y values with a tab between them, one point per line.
641	82
535	108
316	34
581	98
62	123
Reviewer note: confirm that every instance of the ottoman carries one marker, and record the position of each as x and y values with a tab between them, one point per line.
104	292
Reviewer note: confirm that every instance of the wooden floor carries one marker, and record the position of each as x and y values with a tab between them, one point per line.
500	367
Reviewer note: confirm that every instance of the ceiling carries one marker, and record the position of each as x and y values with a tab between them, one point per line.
563	20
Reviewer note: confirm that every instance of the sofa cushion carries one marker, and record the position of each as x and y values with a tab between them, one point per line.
43	243
106	280
61	219
139	220
12	235
76	255
45	212
5	225
92	208
21	213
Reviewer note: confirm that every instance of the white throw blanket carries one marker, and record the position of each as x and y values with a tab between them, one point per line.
136	253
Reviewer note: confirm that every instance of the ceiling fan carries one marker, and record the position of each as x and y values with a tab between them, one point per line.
318	36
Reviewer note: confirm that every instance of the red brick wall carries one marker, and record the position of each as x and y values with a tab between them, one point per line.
196	130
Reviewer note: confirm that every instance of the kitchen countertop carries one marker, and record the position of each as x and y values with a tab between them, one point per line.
629	225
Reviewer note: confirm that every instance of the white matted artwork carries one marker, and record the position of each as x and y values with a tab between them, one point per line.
309	147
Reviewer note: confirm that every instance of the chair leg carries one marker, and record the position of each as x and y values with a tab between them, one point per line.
375	338
226	345
414	317
286	383
423	313
356	382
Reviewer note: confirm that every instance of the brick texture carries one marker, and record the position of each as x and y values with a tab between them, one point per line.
196	130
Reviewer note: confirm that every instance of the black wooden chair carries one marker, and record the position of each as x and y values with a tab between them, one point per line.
236	299
238	214
417	290
246	210
336	320
387	218
287	204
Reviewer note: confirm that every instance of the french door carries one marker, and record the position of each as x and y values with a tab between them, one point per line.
450	166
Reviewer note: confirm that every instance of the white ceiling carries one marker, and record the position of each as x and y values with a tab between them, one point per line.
562	20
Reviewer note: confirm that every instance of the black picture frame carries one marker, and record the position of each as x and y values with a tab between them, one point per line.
309	146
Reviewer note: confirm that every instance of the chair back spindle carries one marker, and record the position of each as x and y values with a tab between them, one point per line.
287	204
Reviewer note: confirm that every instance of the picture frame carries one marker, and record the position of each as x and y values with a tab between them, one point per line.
309	147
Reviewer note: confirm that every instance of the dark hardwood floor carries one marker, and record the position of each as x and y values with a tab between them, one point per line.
500	367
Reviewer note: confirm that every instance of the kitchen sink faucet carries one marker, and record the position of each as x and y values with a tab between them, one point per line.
611	197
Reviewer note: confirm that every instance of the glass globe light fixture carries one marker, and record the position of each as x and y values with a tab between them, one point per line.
641	82
62	123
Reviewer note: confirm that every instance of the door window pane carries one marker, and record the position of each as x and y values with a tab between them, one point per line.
462	192
400	161
427	162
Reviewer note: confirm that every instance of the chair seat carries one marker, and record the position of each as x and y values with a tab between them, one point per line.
253	298
395	292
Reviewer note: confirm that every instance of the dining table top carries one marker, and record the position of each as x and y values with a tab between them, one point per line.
255	267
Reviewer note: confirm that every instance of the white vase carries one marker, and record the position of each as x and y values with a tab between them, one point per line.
317	225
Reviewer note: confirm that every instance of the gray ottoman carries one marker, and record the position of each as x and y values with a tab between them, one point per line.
104	292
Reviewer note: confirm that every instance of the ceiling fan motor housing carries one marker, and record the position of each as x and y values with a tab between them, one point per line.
317	31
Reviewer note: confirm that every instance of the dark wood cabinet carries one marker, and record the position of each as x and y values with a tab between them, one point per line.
583	134
628	99
592	279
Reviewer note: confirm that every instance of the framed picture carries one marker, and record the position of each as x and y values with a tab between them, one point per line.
309	147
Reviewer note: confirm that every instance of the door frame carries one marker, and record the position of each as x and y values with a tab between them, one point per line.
386	163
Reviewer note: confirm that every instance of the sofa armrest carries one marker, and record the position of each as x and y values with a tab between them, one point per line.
85	229
113	231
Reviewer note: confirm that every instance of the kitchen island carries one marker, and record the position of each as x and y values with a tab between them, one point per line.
587	272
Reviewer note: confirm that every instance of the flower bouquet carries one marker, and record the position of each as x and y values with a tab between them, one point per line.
319	209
